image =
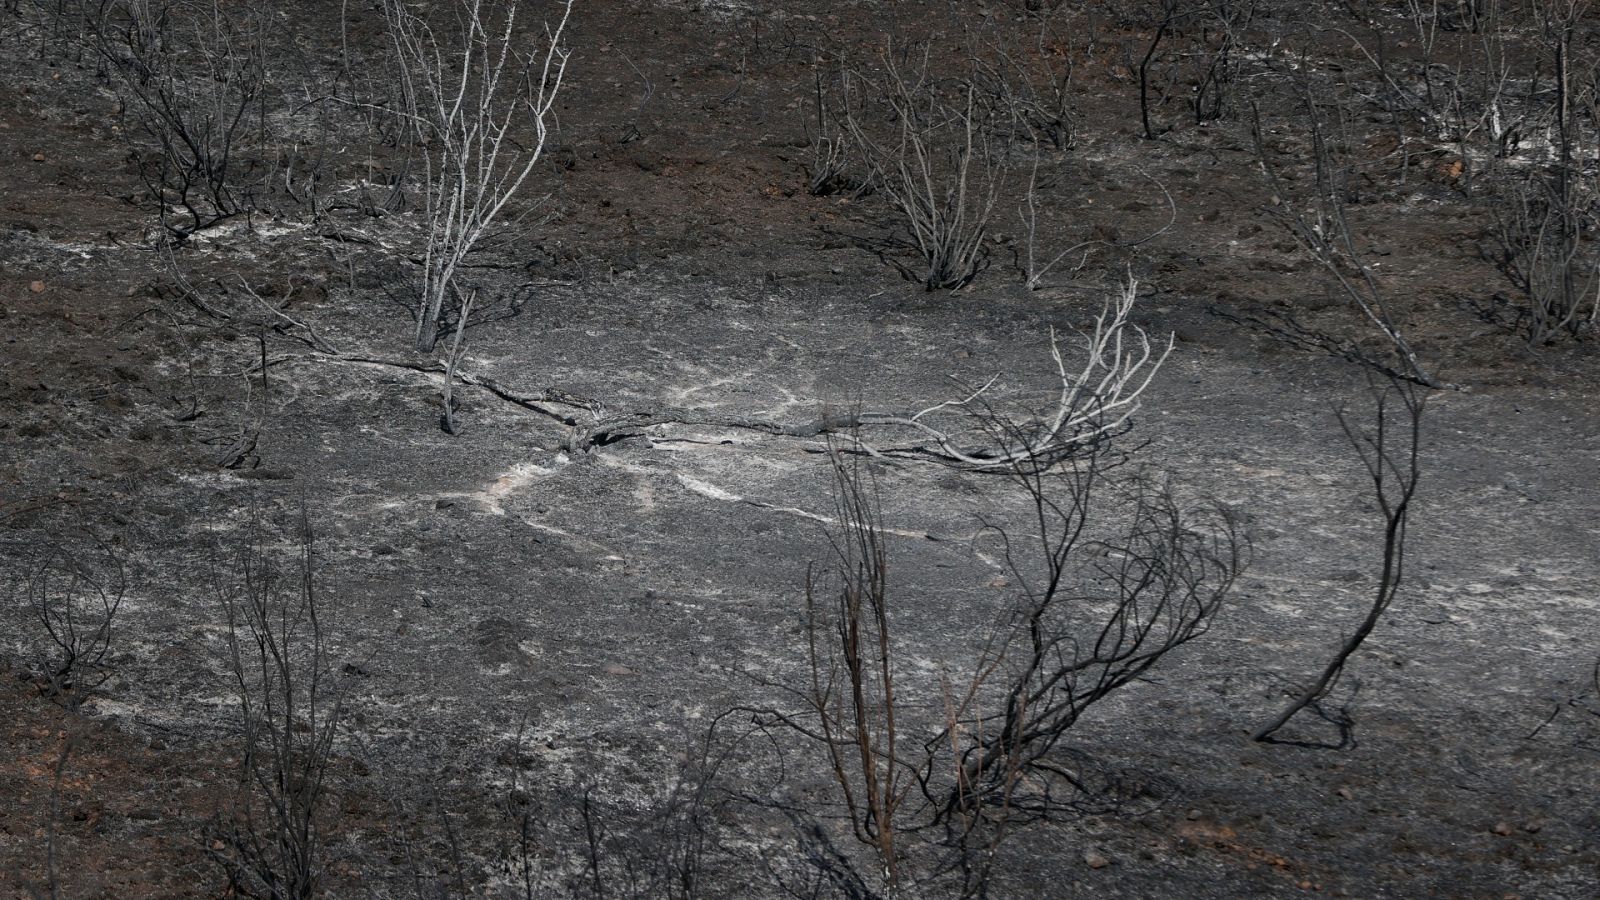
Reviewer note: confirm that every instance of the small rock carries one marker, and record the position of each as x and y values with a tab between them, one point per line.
1345	793
1094	859
1194	814
616	669
1533	827
38	157
443	504
36	287
1503	829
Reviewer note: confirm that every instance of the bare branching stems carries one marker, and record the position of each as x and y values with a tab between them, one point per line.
938	142
1391	453
1035	265
828	147
1212	30
1034	84
75	593
1095	399
1546	254
193	74
1330	241
937	152
1093	614
1170	12
1092	605
447	419
1520	107
471	97
852	669
273	839
662	849
1545	214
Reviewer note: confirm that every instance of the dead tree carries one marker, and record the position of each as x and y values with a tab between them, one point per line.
1095	396
467	96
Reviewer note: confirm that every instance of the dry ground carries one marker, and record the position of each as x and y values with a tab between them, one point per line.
610	603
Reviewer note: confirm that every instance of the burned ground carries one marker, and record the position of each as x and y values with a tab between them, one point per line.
522	624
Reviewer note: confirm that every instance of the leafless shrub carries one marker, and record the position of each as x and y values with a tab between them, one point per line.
1457	79
851	655
1545	250
1150	94
668	846
1517	97
193	75
1032	79
273	839
467	94
1095	610
1546	215
937	150
1325	234
647	92
74	587
828	147
1394	471
1487	116
1099	598
1035	263
1221	27
1208	34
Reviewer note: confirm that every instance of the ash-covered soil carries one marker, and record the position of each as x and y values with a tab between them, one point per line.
517	623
